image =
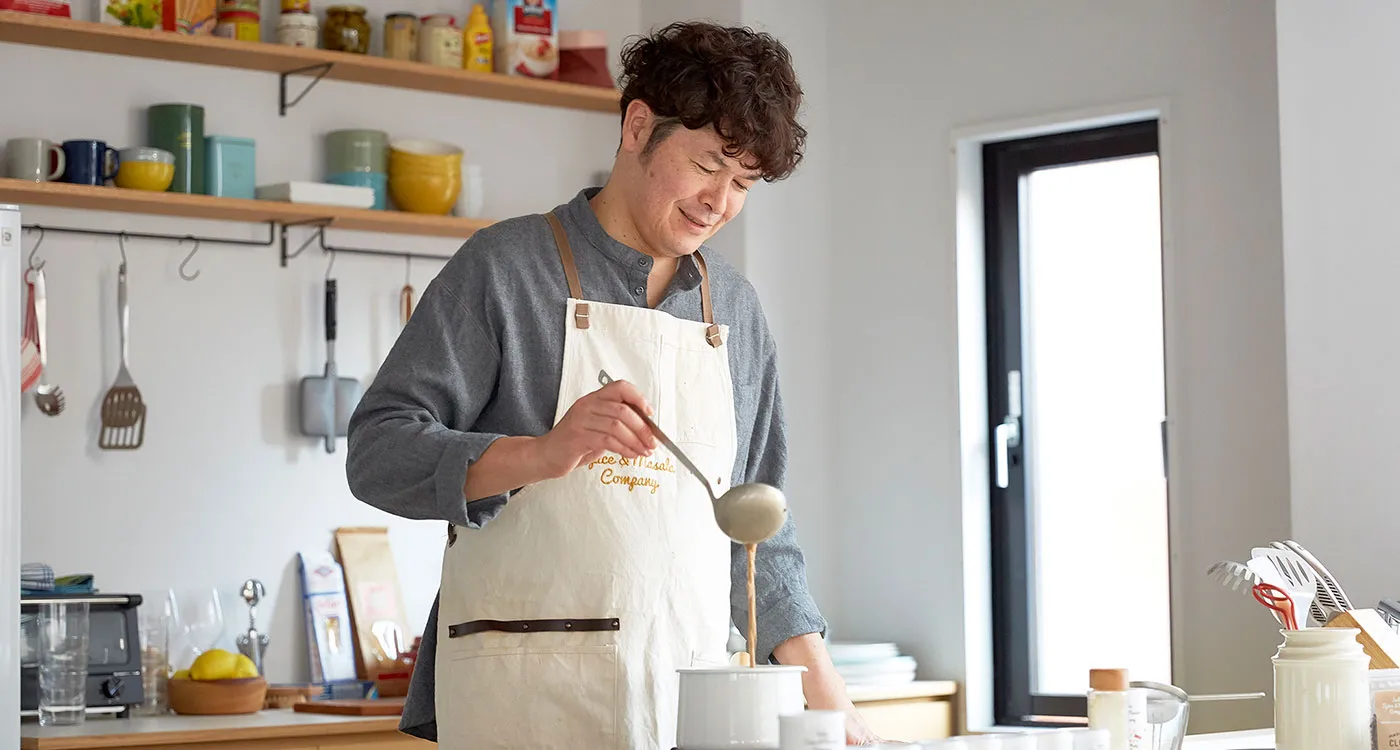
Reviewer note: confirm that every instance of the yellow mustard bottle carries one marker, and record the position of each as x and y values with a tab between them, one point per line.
478	52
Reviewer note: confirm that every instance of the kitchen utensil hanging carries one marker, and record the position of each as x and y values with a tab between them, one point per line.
327	401
406	294
47	396
123	409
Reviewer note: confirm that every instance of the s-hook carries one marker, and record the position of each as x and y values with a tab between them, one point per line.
183	275
40	265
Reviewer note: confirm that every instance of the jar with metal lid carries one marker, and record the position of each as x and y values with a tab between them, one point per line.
440	41
238	6
298	30
296	6
401	36
347	29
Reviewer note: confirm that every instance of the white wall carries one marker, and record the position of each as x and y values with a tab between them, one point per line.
1337	112
224	489
9	489
788	254
903	77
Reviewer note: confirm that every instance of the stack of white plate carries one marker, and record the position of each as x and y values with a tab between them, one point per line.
872	663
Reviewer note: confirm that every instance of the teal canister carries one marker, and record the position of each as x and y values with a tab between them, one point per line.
179	129
230	166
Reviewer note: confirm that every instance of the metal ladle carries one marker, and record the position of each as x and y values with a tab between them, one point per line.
747	513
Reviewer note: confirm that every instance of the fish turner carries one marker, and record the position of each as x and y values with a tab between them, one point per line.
123	410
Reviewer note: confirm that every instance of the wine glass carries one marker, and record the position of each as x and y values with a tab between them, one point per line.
197	624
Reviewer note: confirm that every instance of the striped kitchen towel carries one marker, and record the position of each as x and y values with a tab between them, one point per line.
35	577
29	347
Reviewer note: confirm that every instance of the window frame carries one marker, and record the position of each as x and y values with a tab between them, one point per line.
1005	163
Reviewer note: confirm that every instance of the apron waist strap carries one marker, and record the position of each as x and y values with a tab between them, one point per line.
534	626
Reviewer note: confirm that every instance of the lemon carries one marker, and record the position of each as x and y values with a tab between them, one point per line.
245	668
214	664
183	674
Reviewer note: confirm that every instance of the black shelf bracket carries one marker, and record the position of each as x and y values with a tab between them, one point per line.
43	229
317	72
319	237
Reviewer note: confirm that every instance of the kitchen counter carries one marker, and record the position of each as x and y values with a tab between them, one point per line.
1257	739
283	729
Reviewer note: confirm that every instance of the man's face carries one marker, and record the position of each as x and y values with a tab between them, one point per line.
687	190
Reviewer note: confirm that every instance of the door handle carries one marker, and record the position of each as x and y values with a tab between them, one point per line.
1007	435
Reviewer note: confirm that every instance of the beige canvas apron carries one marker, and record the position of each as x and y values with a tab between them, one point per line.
561	624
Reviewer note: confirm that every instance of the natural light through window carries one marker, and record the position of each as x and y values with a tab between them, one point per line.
1093	379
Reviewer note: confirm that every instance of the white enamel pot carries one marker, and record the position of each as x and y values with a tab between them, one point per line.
735	706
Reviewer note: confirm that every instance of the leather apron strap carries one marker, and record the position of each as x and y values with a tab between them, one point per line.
566	255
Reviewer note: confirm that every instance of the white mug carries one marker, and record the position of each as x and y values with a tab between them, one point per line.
812	730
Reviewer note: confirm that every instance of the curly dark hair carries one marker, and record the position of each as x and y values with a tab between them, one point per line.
736	79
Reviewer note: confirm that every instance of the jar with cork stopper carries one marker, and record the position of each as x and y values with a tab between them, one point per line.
1120	709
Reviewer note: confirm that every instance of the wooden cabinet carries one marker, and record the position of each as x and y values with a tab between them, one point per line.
917	711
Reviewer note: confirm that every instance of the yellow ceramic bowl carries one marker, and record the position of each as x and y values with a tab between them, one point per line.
433	156
145	175
425	194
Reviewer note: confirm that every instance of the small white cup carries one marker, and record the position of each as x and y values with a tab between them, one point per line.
812	730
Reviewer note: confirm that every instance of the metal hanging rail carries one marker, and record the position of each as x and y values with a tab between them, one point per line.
319	237
43	229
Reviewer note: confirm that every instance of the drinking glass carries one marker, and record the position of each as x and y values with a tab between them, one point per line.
197	624
63	661
154	622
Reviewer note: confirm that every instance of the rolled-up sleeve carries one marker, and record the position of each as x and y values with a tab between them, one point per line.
785	606
410	439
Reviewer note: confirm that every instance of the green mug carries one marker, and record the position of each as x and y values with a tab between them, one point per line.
357	151
179	129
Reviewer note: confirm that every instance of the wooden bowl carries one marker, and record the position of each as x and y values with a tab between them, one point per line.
217	697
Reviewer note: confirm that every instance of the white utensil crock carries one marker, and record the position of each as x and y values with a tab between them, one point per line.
722	708
1322	697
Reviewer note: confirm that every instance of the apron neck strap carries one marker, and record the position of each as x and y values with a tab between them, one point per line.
566	256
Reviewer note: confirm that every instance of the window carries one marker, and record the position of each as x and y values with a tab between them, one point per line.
1076	371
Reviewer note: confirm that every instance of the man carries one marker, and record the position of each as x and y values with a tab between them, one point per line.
581	568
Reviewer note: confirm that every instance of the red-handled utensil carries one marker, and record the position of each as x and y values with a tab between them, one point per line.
1279	601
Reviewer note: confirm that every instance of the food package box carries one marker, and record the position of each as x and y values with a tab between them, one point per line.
329	637
141	14
377	611
194	17
527	38
43	7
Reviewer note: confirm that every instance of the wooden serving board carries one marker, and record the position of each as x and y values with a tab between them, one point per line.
356	707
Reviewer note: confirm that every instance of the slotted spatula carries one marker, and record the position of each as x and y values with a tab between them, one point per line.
123	410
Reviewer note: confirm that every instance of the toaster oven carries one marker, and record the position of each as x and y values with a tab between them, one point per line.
114	651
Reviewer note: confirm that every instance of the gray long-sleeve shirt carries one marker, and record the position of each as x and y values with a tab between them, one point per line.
481	358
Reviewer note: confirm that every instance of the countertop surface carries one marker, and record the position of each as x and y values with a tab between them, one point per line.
1258	739
169	730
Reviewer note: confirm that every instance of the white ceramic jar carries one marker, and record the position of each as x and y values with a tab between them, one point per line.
298	30
1321	692
722	708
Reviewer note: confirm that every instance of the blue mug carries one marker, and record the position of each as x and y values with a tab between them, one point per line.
89	162
377	180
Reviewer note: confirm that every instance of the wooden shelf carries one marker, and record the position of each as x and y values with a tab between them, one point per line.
93	198
86	36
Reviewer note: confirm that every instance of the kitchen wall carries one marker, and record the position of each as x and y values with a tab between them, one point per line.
224	489
1337	112
903	75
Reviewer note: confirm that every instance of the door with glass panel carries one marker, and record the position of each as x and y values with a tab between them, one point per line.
1077	397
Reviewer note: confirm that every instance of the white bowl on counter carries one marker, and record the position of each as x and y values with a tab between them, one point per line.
722	708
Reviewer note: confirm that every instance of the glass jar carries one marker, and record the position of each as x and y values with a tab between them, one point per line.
296	6
298	30
440	41
347	29
401	36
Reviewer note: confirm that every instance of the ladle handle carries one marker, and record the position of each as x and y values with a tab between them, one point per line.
605	379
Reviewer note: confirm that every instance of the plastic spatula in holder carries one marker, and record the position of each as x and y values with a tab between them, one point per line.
123	410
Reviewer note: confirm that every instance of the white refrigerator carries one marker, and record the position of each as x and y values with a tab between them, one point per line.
10	322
